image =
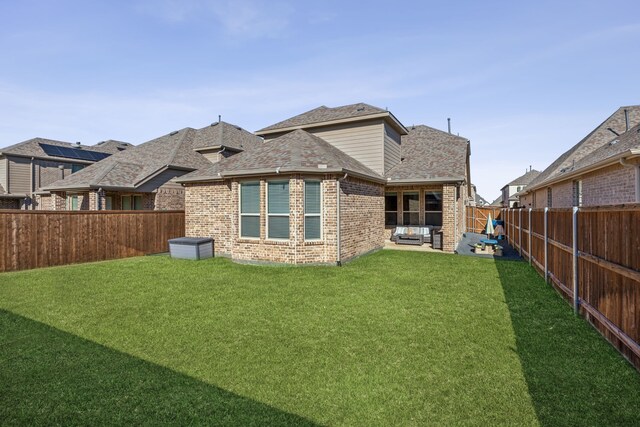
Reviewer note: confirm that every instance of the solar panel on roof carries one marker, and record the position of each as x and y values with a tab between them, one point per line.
73	153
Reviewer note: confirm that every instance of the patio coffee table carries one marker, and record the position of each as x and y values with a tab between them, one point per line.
410	239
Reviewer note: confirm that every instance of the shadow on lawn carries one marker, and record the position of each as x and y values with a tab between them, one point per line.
50	377
574	376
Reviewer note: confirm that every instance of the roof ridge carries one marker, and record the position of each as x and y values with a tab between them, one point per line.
176	149
99	177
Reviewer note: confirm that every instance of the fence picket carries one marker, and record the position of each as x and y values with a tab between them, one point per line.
32	239
590	257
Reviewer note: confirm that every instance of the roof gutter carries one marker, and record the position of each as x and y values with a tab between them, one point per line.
395	182
625	155
88	188
50	158
280	170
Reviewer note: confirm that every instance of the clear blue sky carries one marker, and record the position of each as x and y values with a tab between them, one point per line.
523	80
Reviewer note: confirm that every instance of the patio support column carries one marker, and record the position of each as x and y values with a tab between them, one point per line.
546	244
576	297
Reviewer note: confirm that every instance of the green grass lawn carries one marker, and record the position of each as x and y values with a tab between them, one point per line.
393	338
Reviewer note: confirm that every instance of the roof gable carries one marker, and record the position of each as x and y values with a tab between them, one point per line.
177	150
323	115
524	179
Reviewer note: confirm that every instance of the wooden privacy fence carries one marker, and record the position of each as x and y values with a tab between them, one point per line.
477	217
33	239
592	257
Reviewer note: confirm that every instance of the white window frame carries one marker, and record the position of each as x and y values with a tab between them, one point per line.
240	214
266	208
320	214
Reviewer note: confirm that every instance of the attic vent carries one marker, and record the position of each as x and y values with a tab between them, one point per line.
173	133
238	127
360	109
214	124
615	141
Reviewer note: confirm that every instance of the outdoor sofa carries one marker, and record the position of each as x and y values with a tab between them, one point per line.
424	230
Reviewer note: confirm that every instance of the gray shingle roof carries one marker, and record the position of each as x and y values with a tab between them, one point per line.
111	146
129	168
325	114
497	202
431	155
594	140
296	151
629	140
525	179
31	147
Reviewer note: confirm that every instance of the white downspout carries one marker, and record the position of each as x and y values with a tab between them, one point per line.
338	181
455	219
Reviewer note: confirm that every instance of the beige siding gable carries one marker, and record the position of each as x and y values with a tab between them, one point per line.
19	175
391	147
362	141
3	173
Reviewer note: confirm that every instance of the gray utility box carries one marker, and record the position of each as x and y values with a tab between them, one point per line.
191	247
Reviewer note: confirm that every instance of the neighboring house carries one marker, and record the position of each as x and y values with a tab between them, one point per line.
143	177
29	166
602	169
509	191
479	200
497	202
329	185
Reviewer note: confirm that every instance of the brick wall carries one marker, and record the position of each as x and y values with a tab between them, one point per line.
43	202
612	185
449	218
169	199
211	210
361	217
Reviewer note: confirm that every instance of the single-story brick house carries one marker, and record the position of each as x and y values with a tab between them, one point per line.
28	167
329	185
143	177
602	169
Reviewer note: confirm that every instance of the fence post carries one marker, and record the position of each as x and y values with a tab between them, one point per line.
546	244
520	231
576	298
530	236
